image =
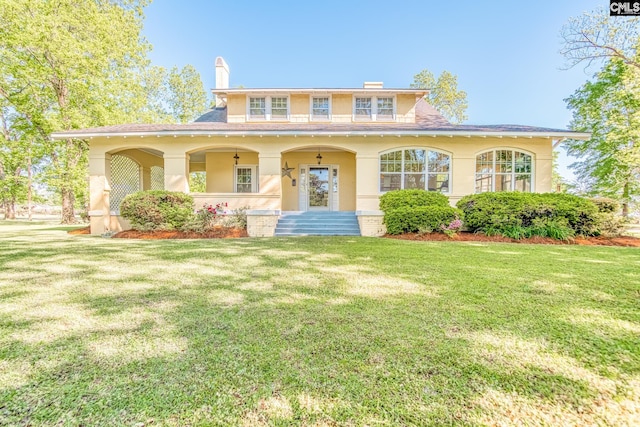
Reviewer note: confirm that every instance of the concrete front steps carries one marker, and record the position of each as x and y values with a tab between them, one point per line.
317	223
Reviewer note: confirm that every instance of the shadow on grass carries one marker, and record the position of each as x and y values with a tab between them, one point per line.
313	330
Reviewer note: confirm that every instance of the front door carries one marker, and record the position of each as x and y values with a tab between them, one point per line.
319	188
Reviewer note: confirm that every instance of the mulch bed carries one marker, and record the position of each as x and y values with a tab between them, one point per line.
234	233
473	237
84	230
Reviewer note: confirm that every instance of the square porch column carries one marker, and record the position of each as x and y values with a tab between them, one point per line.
270	181
367	182
99	189
176	172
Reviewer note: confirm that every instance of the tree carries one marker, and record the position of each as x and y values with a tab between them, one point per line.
187	98
596	36
443	94
175	96
65	65
609	108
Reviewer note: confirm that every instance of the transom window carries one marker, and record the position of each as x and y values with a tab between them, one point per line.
268	108
380	108
415	168
320	109
503	170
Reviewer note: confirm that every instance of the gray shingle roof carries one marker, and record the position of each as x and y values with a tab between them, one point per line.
428	120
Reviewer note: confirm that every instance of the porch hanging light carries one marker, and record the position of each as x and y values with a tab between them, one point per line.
319	157
236	156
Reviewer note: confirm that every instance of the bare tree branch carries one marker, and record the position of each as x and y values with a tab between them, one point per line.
595	36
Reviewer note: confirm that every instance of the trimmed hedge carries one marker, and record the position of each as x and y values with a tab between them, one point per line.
157	210
510	212
419	218
410	211
410	198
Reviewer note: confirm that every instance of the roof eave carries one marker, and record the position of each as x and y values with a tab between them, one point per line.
244	91
560	136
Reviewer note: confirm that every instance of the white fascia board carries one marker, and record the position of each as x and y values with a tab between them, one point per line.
243	91
415	133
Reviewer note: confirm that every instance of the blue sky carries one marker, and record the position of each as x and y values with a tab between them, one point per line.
505	53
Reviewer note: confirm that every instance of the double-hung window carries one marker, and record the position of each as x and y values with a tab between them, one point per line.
245	179
320	108
268	108
374	108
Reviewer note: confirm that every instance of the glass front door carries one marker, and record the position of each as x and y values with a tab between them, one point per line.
319	187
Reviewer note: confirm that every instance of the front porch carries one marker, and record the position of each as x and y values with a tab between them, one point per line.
314	178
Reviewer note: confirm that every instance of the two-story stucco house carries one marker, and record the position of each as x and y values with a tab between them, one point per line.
316	149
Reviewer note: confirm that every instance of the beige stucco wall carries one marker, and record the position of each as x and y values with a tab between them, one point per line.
220	169
357	156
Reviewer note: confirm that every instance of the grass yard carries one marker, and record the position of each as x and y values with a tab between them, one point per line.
315	332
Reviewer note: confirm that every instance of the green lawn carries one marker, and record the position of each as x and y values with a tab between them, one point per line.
315	331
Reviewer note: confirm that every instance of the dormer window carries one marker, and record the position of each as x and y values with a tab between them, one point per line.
385	108
257	108
268	108
363	108
320	108
374	108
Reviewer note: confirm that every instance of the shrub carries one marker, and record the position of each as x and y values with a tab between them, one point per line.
420	218
609	222
411	198
509	213
157	210
210	217
606	205
555	228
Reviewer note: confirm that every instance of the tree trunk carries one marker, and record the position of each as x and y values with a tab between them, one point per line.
10	209
68	199
625	200
29	187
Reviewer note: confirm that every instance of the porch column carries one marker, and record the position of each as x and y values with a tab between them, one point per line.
463	178
146	178
367	182
542	173
176	172
270	180
99	189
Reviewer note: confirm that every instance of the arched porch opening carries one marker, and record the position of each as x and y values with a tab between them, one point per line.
131	170
320	177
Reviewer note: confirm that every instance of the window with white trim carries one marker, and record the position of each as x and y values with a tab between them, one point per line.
363	109
279	108
419	168
320	108
268	108
245	179
257	108
504	170
374	108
